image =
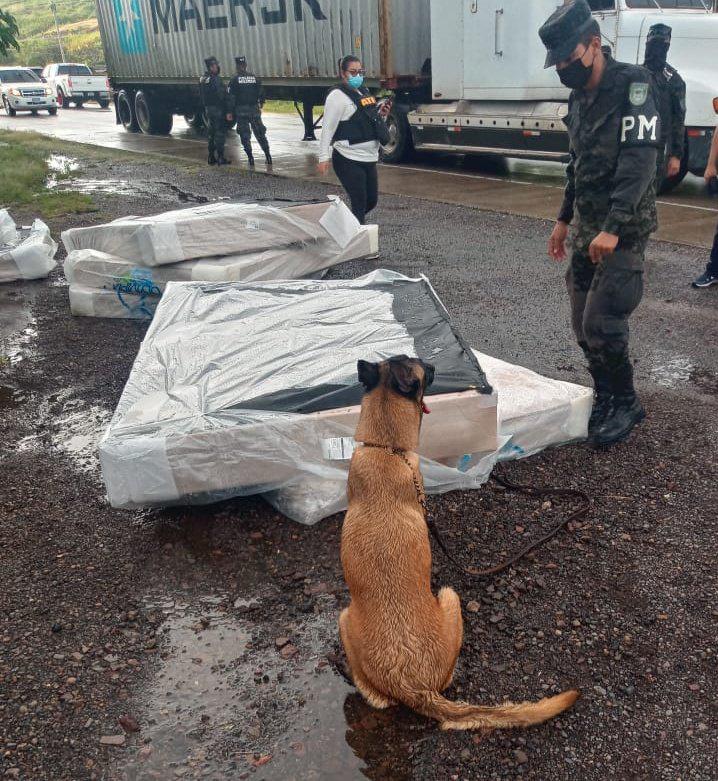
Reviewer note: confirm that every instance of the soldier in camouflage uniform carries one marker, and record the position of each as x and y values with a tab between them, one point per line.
246	99
213	96
614	131
670	93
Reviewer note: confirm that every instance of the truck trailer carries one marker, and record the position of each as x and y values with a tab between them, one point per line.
467	76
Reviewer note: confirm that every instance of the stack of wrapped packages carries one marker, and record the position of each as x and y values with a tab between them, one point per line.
121	269
25	253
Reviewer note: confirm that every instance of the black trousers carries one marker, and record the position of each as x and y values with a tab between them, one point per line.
360	181
713	263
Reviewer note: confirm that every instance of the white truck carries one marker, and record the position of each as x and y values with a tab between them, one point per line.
491	94
74	82
467	75
23	90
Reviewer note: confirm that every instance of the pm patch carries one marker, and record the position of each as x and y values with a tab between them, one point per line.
638	93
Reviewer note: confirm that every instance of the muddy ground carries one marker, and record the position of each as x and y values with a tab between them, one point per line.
210	633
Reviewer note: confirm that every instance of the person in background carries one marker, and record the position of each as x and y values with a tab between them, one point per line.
350	137
614	133
710	276
670	93
246	99
214	101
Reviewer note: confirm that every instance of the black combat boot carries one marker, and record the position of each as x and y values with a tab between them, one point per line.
222	160
212	160
602	390
626	411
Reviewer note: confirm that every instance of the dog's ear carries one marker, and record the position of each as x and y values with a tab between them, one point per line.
368	374
428	374
403	379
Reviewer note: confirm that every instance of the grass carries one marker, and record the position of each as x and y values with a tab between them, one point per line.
24	174
287	107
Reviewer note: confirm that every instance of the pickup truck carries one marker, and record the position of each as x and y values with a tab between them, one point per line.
22	90
73	82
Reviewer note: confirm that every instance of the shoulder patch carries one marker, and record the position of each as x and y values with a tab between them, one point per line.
638	93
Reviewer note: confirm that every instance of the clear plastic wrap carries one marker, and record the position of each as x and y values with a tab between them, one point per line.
215	229
244	389
26	253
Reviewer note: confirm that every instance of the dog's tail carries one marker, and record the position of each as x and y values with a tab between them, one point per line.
461	715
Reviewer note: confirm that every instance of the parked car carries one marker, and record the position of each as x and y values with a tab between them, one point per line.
37	70
22	90
73	82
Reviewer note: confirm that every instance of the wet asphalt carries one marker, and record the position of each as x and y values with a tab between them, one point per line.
201	642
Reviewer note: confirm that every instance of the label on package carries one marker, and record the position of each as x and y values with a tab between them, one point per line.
338	448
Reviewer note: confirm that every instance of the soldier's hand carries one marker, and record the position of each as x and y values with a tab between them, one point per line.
711	172
557	241
323	168
604	244
673	167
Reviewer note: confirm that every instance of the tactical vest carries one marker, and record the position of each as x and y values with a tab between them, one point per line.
361	126
245	89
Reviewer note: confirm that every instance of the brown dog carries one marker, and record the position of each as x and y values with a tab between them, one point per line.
401	641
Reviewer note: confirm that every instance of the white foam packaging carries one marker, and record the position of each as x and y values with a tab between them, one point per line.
251	388
205	231
25	253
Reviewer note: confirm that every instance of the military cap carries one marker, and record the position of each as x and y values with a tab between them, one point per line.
662	31
210	61
241	60
562	32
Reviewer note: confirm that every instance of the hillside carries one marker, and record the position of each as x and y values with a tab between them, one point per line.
38	39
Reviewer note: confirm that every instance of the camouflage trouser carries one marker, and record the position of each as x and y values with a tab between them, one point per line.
216	131
604	295
249	120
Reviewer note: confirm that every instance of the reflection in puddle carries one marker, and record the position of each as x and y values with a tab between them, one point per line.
19	345
225	702
165	190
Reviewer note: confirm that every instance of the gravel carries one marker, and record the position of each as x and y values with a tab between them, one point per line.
213	629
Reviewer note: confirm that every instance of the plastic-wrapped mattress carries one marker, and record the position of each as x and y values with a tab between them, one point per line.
25	253
102	285
241	389
210	230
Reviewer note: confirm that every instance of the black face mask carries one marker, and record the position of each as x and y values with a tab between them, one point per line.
656	53
576	75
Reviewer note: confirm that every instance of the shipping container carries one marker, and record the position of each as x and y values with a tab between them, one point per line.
159	46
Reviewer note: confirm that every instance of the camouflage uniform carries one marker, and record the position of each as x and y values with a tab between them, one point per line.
213	96
614	133
246	97
670	91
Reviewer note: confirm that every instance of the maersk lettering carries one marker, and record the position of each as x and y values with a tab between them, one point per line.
214	22
188	12
174	15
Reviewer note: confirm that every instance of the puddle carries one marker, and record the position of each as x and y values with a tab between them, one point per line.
19	345
225	702
672	371
147	189
62	165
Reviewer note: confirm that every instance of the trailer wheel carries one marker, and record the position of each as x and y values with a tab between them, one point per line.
196	121
126	111
401	146
104	103
152	117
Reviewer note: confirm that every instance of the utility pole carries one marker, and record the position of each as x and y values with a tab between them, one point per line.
53	8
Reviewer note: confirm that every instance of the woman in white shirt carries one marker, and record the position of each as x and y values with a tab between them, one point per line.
349	138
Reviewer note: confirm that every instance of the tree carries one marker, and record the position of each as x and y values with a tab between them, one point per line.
8	33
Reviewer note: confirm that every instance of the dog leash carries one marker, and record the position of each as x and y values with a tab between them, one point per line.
508	485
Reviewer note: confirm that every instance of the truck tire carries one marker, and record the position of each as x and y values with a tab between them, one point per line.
401	146
79	104
196	121
152	117
104	103
126	111
670	183
52	111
